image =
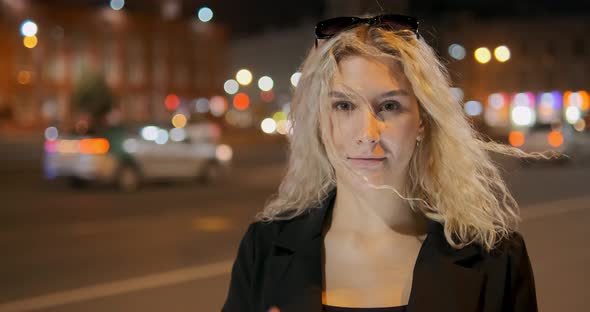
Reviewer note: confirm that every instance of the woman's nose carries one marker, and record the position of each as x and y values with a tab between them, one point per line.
370	131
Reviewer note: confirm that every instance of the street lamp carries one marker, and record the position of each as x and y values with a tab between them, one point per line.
244	77
265	83
205	14
117	4
483	55
28	28
502	53
457	51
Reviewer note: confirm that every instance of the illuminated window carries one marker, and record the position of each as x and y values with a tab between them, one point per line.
110	61
135	61
159	68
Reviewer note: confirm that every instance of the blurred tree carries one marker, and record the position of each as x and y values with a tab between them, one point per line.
92	96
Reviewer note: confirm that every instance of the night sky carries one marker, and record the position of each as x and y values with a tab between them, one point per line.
247	17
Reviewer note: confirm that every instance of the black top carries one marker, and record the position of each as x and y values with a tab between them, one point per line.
327	308
279	263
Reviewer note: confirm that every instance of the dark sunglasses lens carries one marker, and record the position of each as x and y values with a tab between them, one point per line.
399	22
333	26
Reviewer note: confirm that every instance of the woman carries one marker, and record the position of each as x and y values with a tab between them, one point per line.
390	201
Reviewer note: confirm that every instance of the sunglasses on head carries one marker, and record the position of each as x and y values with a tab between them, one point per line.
328	28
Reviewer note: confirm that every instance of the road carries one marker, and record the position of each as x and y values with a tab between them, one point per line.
169	247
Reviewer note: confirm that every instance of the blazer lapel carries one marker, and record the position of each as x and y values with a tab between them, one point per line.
444	279
294	280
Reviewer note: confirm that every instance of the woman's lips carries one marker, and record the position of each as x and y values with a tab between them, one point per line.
366	162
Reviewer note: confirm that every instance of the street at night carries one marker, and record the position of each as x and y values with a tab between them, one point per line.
140	139
170	245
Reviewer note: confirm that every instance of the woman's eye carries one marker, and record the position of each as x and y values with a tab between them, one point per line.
343	106
390	106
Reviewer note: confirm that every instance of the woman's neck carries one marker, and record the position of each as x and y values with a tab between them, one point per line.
375	212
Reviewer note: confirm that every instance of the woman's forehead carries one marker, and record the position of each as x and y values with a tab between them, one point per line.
369	76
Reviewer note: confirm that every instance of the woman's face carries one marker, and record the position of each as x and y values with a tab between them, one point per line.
375	121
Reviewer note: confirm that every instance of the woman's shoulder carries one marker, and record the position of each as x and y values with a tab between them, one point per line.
511	251
269	229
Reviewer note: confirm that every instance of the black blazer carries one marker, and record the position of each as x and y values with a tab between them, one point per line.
279	264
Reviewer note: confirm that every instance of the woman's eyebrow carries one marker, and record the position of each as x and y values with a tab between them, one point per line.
402	92
394	93
338	94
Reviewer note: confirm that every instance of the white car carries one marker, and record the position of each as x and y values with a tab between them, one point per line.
127	156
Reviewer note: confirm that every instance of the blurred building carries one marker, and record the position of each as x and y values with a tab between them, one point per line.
144	57
545	55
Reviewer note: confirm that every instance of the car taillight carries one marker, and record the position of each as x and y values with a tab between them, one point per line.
94	146
84	146
50	146
555	138
516	138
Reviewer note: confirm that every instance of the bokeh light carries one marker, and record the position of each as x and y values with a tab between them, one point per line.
580	125
473	108
94	146
546	107
516	138
244	77
267	96
51	133
130	145
457	51
224	152
217	105
268	125
241	101
578	99
231	86
572	114
555	138
177	134
30	41
117	4
497	100
295	79
28	28
523	116
265	83
161	136
205	14
24	77
172	101
482	55
179	121
149	133
202	105
502	53
279	116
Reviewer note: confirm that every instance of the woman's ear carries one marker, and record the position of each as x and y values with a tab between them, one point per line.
421	129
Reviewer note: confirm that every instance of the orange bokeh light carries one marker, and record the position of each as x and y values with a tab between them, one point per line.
94	146
171	102
555	138
566	98
516	138
585	100
241	101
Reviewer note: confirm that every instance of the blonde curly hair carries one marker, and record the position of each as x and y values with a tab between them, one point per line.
451	172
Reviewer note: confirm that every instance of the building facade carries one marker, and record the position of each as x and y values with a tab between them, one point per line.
144	58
